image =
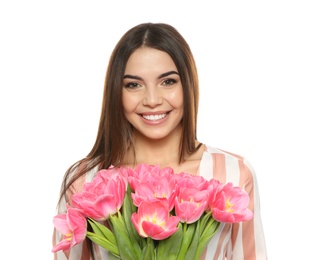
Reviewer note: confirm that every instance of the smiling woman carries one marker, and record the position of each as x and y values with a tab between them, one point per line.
152	95
149	116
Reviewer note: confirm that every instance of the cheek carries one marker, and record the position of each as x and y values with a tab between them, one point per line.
125	104
176	99
129	103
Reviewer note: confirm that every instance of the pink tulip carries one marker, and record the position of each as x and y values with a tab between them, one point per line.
153	184
73	226
214	185
114	173
190	204
153	220
148	174
103	196
230	204
191	181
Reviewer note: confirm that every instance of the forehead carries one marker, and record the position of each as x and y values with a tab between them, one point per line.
145	58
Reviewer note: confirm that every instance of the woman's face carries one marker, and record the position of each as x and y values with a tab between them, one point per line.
152	93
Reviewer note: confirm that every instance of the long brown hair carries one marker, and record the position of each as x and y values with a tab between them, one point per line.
114	132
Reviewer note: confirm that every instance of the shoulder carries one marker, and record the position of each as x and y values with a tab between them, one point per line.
89	173
227	155
77	178
214	150
228	166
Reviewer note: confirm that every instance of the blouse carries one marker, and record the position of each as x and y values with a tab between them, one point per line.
239	241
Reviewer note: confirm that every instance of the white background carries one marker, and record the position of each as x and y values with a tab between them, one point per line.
261	68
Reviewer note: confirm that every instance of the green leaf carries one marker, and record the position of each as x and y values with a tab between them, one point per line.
102	230
113	257
128	248
210	228
189	231
169	248
148	252
103	242
206	235
127	210
191	250
204	220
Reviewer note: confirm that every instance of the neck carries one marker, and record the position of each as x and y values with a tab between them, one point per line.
164	152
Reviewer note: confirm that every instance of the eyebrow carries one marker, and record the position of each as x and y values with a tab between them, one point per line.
127	76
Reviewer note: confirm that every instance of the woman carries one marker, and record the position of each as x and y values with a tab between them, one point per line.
149	115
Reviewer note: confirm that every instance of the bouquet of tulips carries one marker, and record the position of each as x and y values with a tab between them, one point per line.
150	213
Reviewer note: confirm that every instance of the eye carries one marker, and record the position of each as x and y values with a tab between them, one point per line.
169	82
132	85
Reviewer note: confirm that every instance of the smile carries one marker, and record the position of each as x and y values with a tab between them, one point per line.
154	117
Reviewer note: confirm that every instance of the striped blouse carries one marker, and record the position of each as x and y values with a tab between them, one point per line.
240	241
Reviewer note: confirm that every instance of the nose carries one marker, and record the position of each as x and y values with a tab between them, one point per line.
152	97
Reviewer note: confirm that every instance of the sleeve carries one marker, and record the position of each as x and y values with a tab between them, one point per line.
247	239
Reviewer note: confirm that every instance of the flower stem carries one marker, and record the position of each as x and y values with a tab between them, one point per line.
188	233
148	252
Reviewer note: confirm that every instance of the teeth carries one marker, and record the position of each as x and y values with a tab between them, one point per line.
154	117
